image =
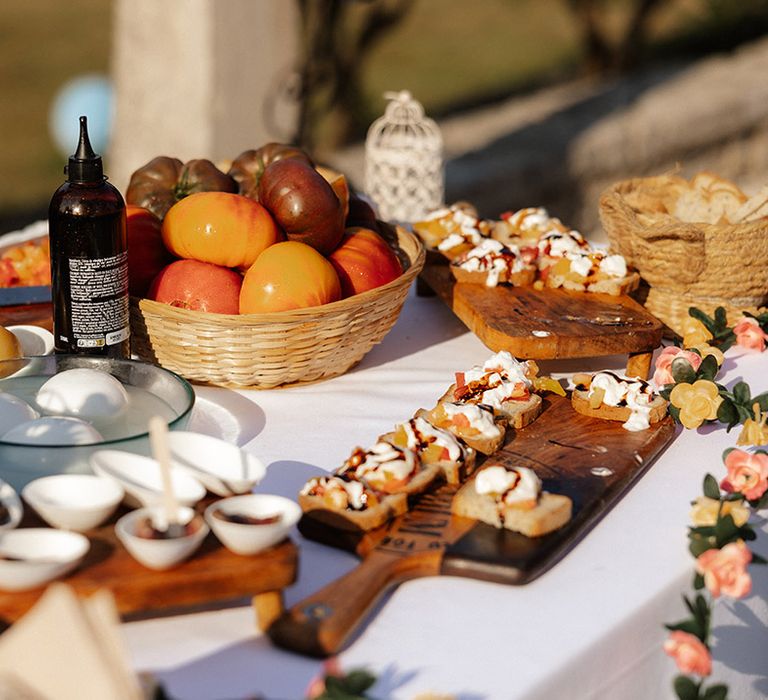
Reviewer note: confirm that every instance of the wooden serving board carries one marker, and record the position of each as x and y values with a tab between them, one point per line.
212	577
570	453
577	324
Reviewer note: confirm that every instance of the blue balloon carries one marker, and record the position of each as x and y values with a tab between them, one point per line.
90	95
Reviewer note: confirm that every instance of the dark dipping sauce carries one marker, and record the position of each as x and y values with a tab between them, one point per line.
146	529
5	514
243	519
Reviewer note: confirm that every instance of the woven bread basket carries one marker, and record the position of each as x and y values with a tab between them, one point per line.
685	263
263	351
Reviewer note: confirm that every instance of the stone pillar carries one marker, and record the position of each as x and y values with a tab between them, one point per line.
199	79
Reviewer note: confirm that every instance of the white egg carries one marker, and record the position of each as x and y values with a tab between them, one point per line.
54	430
14	411
83	393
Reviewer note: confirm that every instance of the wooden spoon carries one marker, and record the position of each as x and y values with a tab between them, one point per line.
158	438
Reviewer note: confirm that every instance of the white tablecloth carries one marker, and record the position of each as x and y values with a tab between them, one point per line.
589	628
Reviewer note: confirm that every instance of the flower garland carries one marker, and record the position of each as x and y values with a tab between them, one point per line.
720	516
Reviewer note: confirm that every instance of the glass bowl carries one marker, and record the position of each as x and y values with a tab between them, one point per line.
153	390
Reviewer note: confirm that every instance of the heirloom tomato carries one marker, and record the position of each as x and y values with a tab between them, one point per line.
364	261
200	286
163	181
288	275
220	228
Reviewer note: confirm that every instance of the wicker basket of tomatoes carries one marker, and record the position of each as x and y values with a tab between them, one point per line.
267	275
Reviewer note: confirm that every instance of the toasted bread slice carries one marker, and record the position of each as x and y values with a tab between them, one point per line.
581	404
435	447
615	286
386	468
373	510
517	413
479	427
550	513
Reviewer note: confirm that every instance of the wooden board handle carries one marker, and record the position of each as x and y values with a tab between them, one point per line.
320	624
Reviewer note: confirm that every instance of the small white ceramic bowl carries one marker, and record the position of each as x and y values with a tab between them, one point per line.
158	554
141	479
10	499
243	538
220	466
73	501
43	555
34	340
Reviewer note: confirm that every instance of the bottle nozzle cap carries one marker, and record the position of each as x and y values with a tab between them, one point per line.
84	164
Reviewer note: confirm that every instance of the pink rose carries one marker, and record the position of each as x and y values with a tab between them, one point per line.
747	474
749	334
663	373
725	570
690	655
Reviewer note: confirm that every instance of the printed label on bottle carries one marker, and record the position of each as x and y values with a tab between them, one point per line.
99	293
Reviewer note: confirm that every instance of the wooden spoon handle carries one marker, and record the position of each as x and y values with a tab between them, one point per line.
158	437
319	625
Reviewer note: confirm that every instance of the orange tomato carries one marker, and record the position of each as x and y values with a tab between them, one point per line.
219	227
288	275
364	261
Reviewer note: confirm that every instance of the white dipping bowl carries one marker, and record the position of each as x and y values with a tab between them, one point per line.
73	501
35	341
220	466
44	555
141	479
158	554
242	538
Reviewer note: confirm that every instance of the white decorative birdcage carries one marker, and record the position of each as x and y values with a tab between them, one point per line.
404	161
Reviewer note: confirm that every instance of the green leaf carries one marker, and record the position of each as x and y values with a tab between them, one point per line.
697	547
726	531
757	559
727	413
742	394
727	342
761	400
698	582
682	372
674	411
708	368
721	319
685	688
762	502
359	680
702	531
716	692
711	487
699	315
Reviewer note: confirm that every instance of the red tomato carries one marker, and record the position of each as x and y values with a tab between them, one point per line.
191	284
364	261
147	254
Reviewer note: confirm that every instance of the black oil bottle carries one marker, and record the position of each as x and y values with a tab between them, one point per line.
89	259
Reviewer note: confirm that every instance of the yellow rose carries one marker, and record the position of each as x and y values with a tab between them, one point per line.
755	431
697	402
705	350
694	332
704	512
